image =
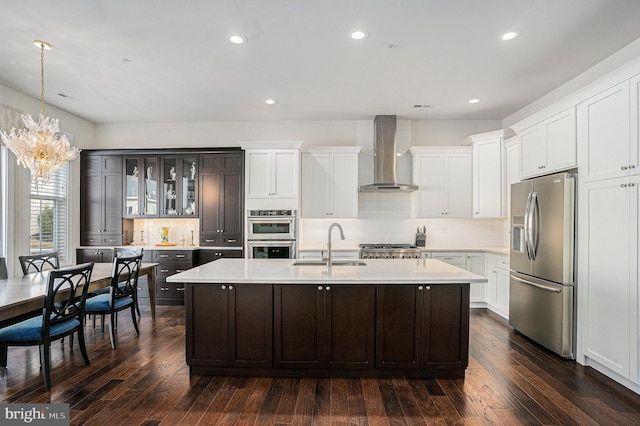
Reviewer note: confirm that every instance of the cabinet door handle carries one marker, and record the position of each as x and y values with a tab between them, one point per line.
180	289
224	287
180	270
623	168
632	166
428	287
230	287
632	184
164	270
232	240
163	255
420	288
623	185
209	241
319	288
327	288
180	256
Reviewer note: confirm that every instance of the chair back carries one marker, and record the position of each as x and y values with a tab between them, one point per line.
3	269
66	295
39	262
127	251
124	278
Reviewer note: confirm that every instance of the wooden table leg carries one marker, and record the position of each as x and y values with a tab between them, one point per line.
152	291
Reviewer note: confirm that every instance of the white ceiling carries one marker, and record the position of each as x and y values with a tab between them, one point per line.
182	67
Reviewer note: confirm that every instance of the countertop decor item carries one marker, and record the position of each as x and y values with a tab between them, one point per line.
164	235
40	146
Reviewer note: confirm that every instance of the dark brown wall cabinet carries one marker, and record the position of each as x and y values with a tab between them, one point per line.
101	221
141	186
324	326
221	188
178	186
422	327
229	325
94	255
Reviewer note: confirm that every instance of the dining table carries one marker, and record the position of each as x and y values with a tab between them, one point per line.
20	296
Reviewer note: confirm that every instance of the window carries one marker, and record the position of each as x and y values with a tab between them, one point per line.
48	220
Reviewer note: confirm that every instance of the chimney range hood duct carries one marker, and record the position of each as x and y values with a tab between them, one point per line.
384	157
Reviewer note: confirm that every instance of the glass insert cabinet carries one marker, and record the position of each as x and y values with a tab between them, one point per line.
179	185
141	186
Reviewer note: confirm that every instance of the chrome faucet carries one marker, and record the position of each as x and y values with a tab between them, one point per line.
330	256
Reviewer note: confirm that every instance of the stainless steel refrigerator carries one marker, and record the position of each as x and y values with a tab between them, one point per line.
542	285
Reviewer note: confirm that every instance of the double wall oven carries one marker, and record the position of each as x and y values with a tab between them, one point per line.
271	234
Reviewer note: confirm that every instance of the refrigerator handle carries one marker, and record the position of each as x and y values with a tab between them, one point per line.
527	227
540	286
535	225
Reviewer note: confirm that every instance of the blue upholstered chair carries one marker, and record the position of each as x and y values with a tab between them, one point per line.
39	262
62	315
123	293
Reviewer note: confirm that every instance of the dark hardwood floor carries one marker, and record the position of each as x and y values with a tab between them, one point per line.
145	381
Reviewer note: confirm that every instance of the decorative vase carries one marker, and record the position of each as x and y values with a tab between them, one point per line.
164	234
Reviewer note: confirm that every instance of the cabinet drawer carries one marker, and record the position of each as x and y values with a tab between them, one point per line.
97	239
166	290
500	262
162	256
166	270
456	259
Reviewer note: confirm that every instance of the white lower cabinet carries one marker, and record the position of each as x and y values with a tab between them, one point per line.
497	291
608	273
470	261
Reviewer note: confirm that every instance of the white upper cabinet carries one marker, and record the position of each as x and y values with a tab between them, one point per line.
272	173
549	146
487	178
330	182
443	176
609	132
512	170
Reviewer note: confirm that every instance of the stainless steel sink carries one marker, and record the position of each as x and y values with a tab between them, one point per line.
350	262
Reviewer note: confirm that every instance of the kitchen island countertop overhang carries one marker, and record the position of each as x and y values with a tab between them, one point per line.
282	271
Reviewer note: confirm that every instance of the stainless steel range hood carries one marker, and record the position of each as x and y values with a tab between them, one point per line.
384	157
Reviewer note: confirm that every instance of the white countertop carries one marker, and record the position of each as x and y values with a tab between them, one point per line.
493	249
281	271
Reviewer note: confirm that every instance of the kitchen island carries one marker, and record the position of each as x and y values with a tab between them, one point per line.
287	317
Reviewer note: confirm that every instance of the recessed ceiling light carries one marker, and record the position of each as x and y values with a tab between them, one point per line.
422	106
237	39
474	101
270	101
510	35
358	34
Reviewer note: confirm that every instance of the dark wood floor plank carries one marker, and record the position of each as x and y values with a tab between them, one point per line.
193	403
357	408
287	406
236	402
269	408
258	391
216	408
373	403
322	403
339	402
427	407
305	401
408	404
391	403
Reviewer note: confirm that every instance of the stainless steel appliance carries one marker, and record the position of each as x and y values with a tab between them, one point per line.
542	285
389	251
271	249
271	234
271	225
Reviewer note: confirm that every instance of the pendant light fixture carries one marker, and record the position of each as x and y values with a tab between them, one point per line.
39	146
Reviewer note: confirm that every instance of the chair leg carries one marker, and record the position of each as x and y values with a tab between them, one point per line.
94	320
45	361
102	322
71	341
3	356
135	320
112	330
83	347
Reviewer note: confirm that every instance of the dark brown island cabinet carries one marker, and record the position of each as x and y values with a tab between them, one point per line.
328	330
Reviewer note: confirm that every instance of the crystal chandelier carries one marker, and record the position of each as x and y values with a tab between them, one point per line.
39	146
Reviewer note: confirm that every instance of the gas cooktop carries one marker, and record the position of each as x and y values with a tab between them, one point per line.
389	251
387	246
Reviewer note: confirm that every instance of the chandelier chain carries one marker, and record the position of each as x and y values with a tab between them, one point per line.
42	78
